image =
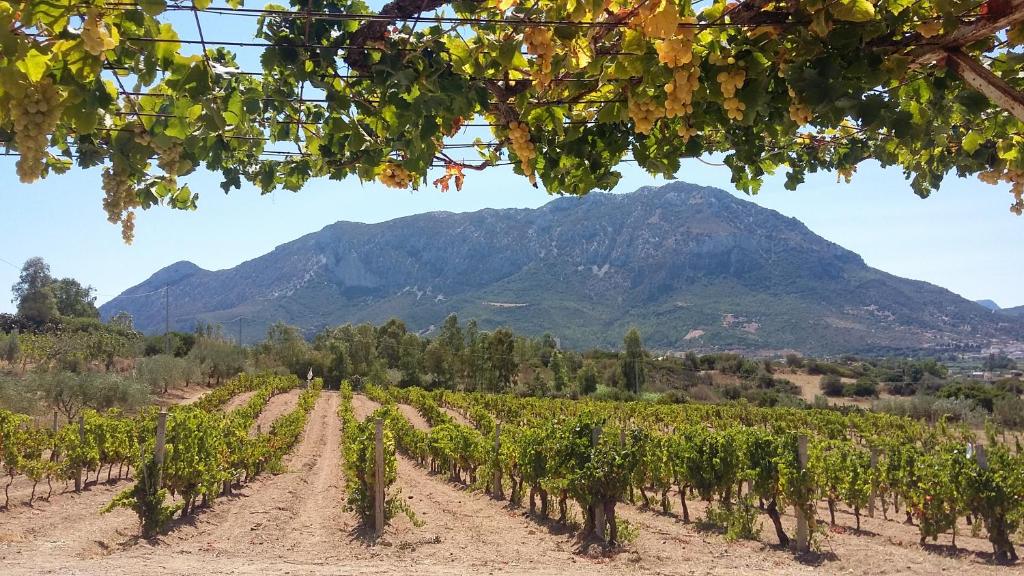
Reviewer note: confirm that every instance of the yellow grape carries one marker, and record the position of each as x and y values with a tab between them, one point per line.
393	175
657	18
519	134
679	92
930	28
539	42
34	114
799	113
95	36
644	112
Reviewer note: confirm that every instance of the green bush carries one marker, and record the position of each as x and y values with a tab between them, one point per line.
831	385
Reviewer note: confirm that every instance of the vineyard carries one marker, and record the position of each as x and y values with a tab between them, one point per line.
464	474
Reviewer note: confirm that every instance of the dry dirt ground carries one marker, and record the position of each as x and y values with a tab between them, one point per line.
296	523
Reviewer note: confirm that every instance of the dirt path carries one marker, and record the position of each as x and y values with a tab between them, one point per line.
458	417
277	406
237	401
414	417
176	396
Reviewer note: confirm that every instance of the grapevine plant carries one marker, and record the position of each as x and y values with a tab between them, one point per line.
568	91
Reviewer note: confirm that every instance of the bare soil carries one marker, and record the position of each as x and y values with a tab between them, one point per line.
277	406
237	401
184	395
296	523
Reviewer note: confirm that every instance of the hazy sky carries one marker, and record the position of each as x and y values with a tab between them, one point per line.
963	238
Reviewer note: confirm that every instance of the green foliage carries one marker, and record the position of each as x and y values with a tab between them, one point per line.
739	521
633	369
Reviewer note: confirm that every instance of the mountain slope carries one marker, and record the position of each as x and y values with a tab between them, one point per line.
1016	311
693	267
991	305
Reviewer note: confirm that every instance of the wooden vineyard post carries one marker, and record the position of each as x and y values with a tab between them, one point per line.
981	457
496	489
160	445
599	520
874	483
55	426
802	532
378	478
81	438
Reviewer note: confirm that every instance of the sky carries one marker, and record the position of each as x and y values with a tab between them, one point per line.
962	238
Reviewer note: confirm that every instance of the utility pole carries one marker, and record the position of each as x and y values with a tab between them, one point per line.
167	319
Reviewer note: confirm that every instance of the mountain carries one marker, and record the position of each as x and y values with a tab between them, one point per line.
692	267
988	304
1017	312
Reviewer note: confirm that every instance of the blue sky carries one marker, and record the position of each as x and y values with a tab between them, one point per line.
963	238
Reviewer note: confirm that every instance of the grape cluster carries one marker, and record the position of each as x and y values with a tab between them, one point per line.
95	35
644	111
120	199
35	115
799	113
519	134
539	43
678	50
395	176
846	173
686	131
679	92
168	156
730	82
1013	177
657	19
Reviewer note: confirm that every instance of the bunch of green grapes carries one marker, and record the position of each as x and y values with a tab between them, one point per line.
539	42
519	134
644	111
678	50
95	34
679	92
730	82
169	157
1015	178
686	131
394	175
799	113
657	18
35	112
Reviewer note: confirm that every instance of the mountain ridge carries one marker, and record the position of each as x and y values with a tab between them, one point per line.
694	267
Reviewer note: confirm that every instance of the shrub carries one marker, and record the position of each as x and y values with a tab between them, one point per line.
864	387
831	385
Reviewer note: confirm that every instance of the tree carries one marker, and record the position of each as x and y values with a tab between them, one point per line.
633	371
831	385
287	348
501	361
654	81
74	300
11	349
411	360
587	379
389	341
559	373
33	292
124	321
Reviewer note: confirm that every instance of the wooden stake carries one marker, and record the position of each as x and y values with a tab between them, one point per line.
802	532
160	445
378	478
981	457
